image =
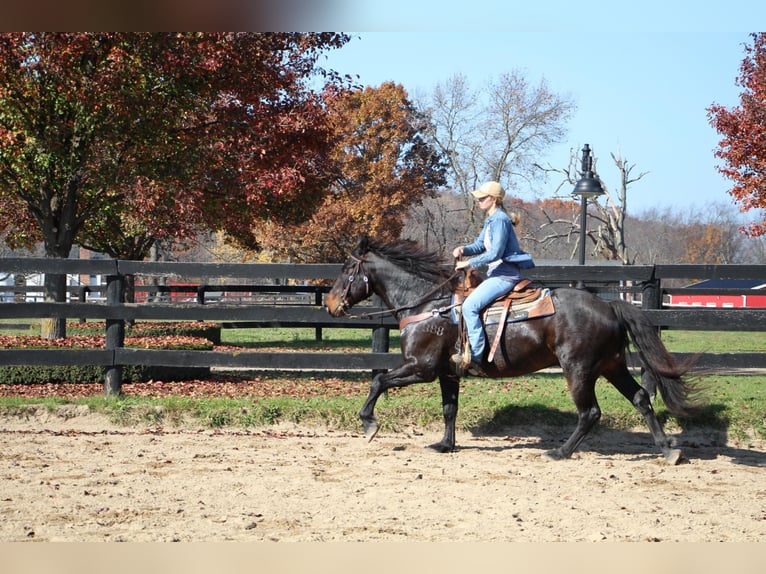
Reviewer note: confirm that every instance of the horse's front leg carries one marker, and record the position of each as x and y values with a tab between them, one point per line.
406	374
367	414
450	386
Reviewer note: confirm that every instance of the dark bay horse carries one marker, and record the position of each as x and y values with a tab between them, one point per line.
587	337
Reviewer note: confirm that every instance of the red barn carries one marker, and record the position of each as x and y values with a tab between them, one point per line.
749	293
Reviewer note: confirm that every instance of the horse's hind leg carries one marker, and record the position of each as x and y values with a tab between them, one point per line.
649	383
639	397
450	387
588	414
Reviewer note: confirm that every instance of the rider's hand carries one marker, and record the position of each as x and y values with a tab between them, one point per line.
457	252
461	265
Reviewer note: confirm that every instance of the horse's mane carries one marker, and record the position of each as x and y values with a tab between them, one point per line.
412	257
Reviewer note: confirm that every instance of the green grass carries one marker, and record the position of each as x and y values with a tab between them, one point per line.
715	341
735	405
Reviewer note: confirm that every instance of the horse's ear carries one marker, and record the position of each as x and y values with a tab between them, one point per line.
362	245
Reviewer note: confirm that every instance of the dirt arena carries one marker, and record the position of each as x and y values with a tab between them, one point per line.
72	476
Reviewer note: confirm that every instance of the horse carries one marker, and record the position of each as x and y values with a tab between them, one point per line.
586	336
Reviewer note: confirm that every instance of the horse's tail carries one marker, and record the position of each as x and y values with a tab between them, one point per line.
679	395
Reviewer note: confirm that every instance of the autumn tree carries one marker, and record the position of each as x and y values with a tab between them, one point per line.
116	139
551	226
743	130
709	235
383	168
434	223
18	229
656	234
706	234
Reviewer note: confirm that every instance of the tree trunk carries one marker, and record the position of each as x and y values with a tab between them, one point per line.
58	241
55	292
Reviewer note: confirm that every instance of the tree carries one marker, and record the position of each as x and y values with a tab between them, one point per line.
609	238
433	224
710	236
494	133
17	227
743	145
656	230
123	137
383	168
706	234
611	241
552	228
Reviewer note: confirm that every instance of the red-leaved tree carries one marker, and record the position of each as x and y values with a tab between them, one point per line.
115	140
743	131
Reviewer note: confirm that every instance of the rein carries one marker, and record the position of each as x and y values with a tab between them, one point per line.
359	269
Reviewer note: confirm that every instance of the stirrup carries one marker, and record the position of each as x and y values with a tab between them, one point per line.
458	359
475	369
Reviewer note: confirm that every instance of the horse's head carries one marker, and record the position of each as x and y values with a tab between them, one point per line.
353	283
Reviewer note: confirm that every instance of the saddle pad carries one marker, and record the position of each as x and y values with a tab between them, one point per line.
540	307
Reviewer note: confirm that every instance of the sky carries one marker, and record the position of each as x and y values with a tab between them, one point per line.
641	77
642	74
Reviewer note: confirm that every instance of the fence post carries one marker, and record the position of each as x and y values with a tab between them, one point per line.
651	298
380	344
318	303
115	334
380	338
651	294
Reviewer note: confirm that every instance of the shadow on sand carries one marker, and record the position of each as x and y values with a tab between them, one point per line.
705	440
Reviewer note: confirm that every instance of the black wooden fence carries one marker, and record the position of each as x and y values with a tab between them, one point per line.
643	283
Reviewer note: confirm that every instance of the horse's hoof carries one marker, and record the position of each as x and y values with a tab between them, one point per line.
370	431
674	456
441	447
554	455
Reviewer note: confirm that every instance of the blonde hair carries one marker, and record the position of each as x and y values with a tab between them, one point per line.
514	217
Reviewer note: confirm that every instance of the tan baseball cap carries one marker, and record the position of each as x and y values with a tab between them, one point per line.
489	188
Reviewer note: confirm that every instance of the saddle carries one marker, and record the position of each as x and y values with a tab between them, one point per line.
523	302
520	294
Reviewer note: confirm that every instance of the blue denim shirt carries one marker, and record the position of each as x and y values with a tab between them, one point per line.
498	247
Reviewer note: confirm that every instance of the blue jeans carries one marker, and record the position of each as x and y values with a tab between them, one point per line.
487	291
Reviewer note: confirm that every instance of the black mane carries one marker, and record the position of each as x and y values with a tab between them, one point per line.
410	256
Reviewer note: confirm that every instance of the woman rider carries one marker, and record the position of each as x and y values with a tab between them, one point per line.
498	248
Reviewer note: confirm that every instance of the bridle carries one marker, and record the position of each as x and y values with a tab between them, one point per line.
357	269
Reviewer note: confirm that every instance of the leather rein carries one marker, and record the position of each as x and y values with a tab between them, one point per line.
358	269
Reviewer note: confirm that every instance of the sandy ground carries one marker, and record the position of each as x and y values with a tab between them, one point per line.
72	476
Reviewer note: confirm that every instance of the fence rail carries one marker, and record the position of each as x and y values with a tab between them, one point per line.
640	282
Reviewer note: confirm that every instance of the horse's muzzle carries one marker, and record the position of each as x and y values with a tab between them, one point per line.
335	305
